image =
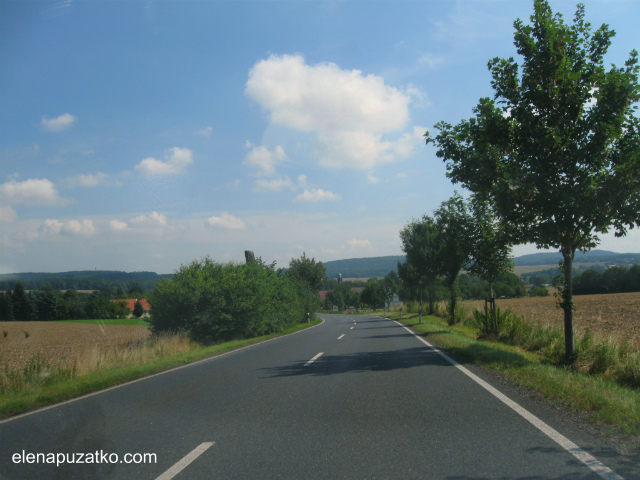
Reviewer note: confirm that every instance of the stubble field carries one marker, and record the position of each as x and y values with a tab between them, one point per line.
62	343
615	315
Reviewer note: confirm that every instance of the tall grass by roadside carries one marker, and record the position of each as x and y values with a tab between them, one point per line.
41	382
596	356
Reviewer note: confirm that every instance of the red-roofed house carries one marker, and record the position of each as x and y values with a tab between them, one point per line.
131	302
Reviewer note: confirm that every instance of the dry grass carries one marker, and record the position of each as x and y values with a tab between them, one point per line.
614	316
65	344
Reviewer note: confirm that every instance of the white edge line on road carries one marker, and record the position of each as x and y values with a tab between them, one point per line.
340	337
208	359
589	460
186	460
313	359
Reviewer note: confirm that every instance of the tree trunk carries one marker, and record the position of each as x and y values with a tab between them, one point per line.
431	295
568	254
453	299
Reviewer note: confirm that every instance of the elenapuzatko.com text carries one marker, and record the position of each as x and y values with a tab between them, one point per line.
99	456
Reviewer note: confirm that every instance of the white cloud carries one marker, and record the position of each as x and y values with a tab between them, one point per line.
74	227
358	243
263	159
273	185
373	179
88	181
7	214
205	132
153	219
431	60
348	111
118	226
408	142
226	221
58	124
177	160
316	195
34	191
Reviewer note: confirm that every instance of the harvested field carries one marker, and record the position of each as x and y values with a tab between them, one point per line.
61	342
615	315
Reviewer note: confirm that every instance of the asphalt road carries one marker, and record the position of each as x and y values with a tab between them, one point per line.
353	398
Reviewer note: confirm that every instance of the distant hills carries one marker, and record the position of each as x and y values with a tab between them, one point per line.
593	256
380	266
349	268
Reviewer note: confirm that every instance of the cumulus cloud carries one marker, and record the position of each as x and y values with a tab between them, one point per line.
226	221
263	159
58	124
176	162
88	181
153	219
118	226
347	110
73	227
316	195
408	142
273	185
7	214
34	191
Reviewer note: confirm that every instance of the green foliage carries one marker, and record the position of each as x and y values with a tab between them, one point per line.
344	296
422	243
558	150
455	239
138	309
214	302
491	250
538	291
307	271
612	280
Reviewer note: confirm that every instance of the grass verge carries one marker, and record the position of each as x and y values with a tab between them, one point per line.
608	403
40	384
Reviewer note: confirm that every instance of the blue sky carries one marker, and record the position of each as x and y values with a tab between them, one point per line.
141	135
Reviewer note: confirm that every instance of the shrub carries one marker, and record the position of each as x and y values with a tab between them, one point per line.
214	302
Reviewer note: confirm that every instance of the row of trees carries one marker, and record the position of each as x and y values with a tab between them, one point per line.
556	151
460	235
49	304
214	302
612	280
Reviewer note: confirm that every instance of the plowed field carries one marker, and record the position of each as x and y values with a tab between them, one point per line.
60	342
616	315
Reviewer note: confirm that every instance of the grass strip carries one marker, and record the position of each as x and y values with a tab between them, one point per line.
607	402
32	397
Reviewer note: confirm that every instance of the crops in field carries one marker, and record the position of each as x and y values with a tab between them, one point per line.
63	344
615	316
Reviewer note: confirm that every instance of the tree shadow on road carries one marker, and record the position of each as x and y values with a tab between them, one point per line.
361	362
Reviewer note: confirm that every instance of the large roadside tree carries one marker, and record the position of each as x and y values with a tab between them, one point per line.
558	148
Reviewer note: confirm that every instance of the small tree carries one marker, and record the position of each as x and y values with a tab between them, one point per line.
420	243
138	309
558	151
307	271
455	232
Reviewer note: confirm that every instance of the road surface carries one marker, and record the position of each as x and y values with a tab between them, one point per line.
356	397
